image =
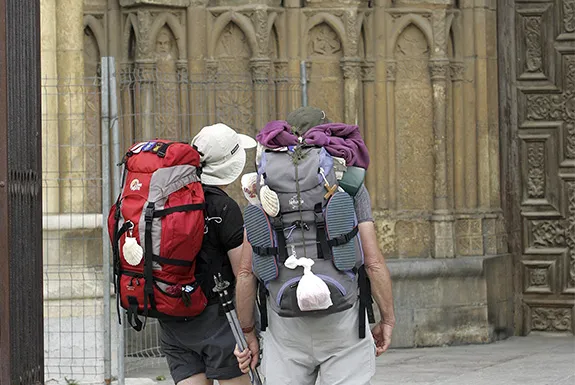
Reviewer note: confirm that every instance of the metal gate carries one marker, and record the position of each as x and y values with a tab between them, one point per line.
537	119
20	195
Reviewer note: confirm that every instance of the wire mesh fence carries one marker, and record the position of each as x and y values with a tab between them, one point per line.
81	328
72	246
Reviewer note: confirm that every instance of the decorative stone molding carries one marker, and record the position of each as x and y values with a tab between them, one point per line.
391	70
351	68
143	47
368	71
145	71
352	29
439	32
164	3
212	69
260	69
439	69
457	71
260	21
280	69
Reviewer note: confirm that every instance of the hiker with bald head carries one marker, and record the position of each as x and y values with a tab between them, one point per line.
311	257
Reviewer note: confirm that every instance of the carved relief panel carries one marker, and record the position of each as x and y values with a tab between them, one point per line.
324	50
166	101
92	120
414	117
233	91
545	75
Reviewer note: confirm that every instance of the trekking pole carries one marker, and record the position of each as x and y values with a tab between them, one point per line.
227	303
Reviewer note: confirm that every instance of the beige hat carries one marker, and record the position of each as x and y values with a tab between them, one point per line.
222	153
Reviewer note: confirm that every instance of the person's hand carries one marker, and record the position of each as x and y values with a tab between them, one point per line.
382	337
250	356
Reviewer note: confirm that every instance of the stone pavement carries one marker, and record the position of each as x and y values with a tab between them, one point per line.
533	360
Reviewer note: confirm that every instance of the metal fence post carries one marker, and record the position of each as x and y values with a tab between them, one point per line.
115	131
105	116
303	78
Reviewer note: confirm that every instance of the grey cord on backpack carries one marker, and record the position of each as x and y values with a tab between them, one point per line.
299	201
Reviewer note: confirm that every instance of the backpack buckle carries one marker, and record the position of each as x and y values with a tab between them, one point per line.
149	214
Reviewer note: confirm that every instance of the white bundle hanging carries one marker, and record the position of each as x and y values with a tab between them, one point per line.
312	292
133	252
270	201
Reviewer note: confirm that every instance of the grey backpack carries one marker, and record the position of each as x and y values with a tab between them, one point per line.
316	220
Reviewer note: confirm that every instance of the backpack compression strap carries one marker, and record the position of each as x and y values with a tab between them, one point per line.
149	216
365	300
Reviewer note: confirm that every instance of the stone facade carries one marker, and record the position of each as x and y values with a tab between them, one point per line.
418	76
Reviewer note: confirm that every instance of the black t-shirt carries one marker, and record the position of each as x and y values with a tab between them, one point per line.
225	226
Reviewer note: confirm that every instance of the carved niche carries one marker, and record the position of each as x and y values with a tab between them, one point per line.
414	117
324	49
166	100
92	121
234	96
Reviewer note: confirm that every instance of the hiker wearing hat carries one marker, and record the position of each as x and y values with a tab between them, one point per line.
311	257
200	349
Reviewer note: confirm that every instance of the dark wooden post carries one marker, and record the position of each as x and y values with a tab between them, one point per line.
21	320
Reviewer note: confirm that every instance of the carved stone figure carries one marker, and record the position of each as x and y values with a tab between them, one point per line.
326	88
414	115
166	87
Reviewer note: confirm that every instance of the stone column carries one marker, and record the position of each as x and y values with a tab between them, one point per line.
114	31
351	67
146	71
50	148
380	159
390	145
184	112
443	221
294	41
212	75
260	75
197	51
482	107
458	136
469	106
282	89
70	57
370	137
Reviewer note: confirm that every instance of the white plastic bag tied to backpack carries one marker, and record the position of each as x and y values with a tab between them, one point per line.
312	292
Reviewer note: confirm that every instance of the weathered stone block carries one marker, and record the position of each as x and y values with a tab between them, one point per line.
70	247
451	325
451	301
385	230
165	3
334	3
468	236
413	238
443	239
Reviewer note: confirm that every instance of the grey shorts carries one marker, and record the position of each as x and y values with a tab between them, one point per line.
204	344
299	351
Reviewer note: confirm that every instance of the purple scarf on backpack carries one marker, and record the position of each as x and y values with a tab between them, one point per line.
339	139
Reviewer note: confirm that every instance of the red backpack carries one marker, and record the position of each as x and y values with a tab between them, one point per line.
156	228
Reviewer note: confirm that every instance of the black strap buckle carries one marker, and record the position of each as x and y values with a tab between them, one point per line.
149	215
344	238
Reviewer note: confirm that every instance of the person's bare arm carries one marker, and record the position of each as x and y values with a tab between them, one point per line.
235	256
381	289
246	284
246	287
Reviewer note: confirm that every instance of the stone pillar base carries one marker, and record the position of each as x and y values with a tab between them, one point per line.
451	301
